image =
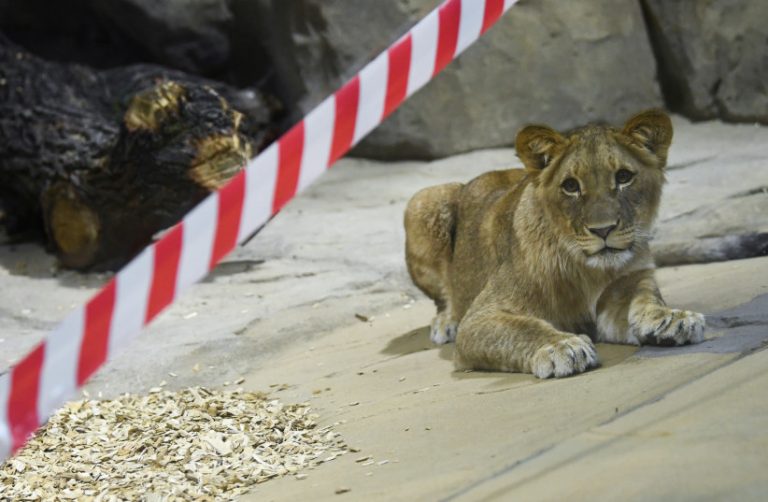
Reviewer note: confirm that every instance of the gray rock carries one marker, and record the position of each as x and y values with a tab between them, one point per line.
562	63
729	228
714	205
316	45
190	35
713	57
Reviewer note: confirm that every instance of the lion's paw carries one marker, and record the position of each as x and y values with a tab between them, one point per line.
443	329
571	355
664	326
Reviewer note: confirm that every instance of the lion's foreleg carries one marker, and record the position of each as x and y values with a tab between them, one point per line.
494	339
632	311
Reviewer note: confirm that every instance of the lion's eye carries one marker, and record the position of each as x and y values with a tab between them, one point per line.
570	186
624	176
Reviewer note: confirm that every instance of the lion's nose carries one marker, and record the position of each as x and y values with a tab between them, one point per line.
602	231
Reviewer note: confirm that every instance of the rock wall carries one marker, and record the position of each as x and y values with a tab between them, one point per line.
561	63
712	57
315	45
190	35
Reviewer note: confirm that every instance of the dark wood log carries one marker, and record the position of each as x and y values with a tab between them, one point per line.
103	160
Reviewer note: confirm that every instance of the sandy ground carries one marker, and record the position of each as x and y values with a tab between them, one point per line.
652	423
648	424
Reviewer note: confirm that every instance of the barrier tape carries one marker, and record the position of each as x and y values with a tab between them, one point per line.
56	368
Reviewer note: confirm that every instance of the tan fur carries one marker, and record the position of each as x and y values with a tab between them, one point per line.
520	265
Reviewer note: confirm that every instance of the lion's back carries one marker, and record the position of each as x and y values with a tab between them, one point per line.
483	202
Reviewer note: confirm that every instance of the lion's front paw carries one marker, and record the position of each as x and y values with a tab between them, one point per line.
443	329
572	354
658	325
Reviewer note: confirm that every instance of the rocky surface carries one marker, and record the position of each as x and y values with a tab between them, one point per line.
190	35
539	64
316	45
545	61
712	57
716	202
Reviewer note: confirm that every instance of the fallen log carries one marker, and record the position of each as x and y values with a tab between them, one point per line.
103	160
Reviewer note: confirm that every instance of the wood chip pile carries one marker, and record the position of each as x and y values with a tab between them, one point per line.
194	444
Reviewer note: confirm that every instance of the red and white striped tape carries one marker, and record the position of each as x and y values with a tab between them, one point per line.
53	372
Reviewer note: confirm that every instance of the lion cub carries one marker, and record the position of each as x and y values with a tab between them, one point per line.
520	262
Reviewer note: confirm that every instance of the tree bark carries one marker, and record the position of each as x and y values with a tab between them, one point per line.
103	160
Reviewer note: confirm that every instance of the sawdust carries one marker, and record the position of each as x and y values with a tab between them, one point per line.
194	444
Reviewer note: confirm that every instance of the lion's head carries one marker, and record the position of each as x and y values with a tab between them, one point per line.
600	186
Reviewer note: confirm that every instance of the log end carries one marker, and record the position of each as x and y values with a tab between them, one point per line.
73	227
218	159
148	110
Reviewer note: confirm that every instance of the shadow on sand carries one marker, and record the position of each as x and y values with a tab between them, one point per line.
417	340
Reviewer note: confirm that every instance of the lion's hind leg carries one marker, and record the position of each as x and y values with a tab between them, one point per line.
430	221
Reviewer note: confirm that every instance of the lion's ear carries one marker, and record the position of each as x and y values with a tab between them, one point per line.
536	145
651	129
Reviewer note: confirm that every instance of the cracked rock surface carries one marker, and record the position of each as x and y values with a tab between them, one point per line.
711	58
716	200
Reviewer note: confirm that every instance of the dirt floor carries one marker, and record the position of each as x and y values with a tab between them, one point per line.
319	305
656	424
